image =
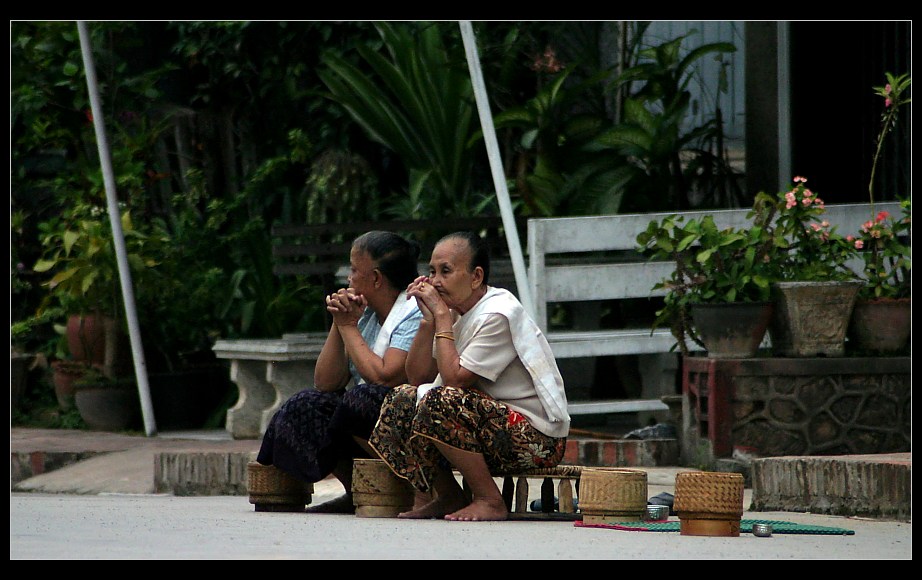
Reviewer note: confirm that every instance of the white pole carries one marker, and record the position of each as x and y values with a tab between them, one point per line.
137	350
496	165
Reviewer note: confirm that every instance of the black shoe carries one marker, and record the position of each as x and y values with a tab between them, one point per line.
341	505
664	498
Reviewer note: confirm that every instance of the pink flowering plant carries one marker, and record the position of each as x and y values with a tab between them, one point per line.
883	243
808	247
884	240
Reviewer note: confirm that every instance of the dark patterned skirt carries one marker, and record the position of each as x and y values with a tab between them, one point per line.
466	419
313	430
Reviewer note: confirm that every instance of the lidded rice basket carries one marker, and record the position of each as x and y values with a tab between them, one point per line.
377	492
709	503
610	495
273	490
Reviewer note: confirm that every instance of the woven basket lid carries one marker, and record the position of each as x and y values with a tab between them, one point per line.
707	492
611	490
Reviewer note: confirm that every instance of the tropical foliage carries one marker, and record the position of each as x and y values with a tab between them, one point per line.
417	100
662	160
614	140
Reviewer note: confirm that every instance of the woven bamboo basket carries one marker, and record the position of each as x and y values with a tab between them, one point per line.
709	503
610	495
377	492
273	490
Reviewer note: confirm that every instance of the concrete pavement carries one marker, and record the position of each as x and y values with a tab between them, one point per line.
105	506
163	527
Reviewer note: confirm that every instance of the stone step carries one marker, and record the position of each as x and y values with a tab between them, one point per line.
221	473
208	473
874	486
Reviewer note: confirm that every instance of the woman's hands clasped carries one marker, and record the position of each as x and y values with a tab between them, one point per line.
346	307
427	297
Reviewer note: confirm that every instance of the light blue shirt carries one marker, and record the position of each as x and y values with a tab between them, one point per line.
401	337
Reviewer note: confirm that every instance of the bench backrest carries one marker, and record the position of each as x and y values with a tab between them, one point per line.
594	258
322	250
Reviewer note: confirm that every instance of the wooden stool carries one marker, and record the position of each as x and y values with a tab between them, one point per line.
516	487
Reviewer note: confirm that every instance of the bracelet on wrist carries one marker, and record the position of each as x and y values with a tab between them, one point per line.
446	335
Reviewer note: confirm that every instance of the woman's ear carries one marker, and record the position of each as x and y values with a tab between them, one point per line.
377	278
477	278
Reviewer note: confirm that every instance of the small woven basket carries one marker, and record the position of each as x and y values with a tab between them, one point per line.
610	495
273	490
709	503
377	492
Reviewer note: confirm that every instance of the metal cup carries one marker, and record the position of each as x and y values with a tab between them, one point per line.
656	513
762	530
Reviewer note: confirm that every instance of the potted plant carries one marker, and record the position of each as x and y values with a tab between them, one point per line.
715	269
41	335
881	319
105	403
79	253
815	289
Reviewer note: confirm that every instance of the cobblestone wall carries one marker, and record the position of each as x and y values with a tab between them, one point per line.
812	406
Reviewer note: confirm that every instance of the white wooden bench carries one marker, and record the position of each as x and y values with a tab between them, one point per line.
594	258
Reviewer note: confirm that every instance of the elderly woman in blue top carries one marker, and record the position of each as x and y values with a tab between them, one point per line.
321	429
489	401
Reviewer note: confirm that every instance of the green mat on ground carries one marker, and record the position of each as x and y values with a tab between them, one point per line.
778	527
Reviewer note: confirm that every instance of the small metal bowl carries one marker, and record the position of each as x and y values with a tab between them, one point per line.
656	513
762	530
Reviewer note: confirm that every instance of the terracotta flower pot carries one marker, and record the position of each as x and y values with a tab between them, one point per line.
86	338
65	373
98	339
881	326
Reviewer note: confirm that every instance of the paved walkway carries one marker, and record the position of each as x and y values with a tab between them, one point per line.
118	463
100	462
104	507
154	527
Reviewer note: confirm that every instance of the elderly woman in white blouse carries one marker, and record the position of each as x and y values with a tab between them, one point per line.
486	397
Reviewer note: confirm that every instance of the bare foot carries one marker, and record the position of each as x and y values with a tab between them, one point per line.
436	508
481	510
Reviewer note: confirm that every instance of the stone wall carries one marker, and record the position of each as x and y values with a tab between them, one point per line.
765	407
